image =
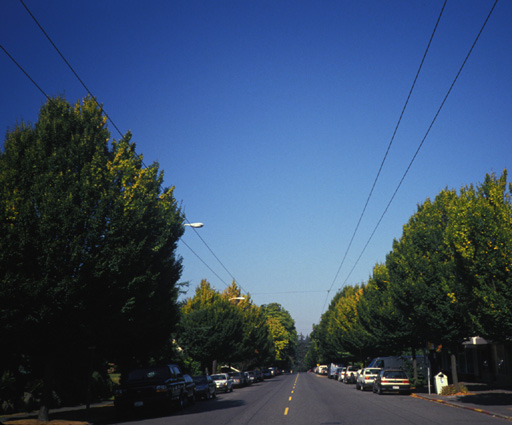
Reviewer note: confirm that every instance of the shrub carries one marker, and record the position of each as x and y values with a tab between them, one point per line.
454	389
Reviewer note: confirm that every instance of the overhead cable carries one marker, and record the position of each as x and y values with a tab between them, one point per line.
385	155
422	141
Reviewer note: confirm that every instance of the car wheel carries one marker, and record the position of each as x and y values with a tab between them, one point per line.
379	390
231	390
357	386
374	390
214	395
193	399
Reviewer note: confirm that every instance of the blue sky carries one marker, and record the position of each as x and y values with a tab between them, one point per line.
271	119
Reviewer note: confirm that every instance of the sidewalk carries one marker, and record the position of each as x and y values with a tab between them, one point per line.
99	413
483	398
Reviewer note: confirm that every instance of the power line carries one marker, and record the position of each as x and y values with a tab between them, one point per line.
69	65
423	140
26	74
115	126
385	155
217	258
51	100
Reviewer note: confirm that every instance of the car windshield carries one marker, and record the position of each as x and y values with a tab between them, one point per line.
373	371
199	379
395	374
149	374
218	377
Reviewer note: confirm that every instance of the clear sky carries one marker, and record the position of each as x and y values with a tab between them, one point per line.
271	119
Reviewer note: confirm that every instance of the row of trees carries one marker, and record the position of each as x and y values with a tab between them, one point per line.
446	279
229	328
88	265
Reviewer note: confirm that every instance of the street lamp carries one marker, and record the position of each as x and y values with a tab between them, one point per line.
194	225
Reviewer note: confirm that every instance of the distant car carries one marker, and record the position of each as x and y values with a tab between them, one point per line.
190	389
267	373
238	379
366	377
258	375
249	376
350	375
223	382
341	374
392	380
205	387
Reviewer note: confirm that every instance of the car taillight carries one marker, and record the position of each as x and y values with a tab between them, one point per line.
384	380
406	381
161	389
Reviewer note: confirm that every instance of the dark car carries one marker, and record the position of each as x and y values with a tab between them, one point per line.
153	386
190	389
238	379
205	387
258	375
392	380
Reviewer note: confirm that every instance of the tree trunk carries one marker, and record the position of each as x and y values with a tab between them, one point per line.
214	367
453	358
44	412
414	366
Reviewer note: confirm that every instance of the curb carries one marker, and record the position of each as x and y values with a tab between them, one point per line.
474	409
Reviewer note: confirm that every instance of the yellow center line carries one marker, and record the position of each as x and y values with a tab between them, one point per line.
290	399
286	411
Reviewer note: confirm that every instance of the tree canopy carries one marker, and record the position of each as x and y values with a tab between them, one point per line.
87	244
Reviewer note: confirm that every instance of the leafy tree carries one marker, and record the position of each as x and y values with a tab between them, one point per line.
87	246
211	327
424	282
481	236
283	332
256	346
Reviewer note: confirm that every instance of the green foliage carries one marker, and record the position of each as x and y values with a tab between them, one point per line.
283	333
447	278
87	242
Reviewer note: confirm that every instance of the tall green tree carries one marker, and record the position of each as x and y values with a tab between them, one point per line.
211	328
256	346
87	246
481	236
424	281
283	332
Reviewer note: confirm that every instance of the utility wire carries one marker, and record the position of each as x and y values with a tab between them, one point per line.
112	122
422	141
51	100
26	74
217	258
202	261
69	65
385	155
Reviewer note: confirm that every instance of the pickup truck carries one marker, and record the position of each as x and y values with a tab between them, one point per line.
162	386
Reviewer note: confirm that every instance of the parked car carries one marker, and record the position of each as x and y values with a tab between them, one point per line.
341	373
159	386
190	389
267	374
350	375
238	379
366	377
258	375
205	387
392	380
223	382
249	377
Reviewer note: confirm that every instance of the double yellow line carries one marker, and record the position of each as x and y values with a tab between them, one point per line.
290	398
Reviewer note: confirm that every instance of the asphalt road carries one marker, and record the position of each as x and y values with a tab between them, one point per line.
301	399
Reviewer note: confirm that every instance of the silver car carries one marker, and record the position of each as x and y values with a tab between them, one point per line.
366	377
223	382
